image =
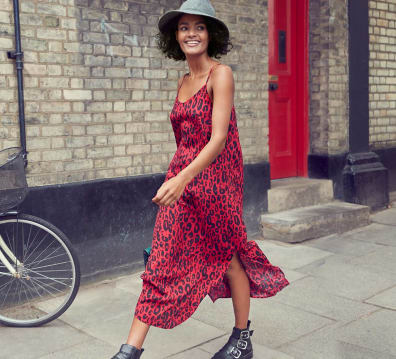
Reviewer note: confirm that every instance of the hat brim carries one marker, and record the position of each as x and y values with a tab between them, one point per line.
166	19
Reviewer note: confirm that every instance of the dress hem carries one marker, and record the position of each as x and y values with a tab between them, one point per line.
283	284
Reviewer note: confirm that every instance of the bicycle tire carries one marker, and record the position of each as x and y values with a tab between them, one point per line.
31	279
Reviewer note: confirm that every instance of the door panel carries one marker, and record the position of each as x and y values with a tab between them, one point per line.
285	60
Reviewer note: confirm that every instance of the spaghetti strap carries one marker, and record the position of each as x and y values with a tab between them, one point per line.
210	72
184	76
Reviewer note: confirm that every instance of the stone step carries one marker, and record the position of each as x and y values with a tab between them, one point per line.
300	224
289	193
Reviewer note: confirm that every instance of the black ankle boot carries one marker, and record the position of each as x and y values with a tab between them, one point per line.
128	352
239	345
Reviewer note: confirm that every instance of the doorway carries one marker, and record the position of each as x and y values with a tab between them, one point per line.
288	87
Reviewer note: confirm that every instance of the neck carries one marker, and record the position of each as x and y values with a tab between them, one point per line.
199	65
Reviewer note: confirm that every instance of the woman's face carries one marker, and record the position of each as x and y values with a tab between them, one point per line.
192	35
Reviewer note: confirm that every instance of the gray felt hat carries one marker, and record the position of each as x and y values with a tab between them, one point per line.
194	7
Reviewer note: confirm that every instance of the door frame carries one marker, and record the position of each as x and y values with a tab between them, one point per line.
302	80
302	105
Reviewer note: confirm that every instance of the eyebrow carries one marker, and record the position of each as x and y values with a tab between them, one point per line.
197	23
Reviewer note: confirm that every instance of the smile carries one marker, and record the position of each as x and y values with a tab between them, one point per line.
192	43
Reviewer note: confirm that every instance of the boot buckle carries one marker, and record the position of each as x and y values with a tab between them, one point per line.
245	334
242	344
236	353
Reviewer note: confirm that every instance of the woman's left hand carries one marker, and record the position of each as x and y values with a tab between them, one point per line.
170	191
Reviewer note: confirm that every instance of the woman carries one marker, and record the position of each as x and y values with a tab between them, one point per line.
200	244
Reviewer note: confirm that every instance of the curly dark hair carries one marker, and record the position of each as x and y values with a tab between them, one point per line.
219	43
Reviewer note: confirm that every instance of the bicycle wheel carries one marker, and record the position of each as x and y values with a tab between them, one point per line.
46	270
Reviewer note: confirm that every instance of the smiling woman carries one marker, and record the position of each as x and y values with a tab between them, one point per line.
200	244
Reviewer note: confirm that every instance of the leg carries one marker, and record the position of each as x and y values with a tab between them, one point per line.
133	347
137	333
239	344
240	291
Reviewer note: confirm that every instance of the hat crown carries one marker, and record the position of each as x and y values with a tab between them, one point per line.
203	6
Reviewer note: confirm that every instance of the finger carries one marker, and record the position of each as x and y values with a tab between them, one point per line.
170	199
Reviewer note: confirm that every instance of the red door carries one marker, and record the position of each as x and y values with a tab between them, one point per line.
287	64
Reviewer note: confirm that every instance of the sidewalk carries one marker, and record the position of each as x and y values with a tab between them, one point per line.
340	304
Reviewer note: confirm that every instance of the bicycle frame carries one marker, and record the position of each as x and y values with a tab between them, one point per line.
7	251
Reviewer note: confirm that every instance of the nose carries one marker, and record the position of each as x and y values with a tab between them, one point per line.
191	32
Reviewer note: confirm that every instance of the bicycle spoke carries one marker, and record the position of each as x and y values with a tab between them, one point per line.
34	287
50	265
19	285
45	284
6	274
44	276
36	247
29	290
10	283
4	285
41	280
35	259
42	260
26	246
55	270
34	239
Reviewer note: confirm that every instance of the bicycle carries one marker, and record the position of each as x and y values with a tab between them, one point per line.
39	269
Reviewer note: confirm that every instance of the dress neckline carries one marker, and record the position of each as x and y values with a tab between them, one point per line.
204	86
177	97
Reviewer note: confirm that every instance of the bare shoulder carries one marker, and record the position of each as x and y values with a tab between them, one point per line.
223	72
222	79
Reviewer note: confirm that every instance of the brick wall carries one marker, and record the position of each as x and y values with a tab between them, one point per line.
98	93
382	73
328	76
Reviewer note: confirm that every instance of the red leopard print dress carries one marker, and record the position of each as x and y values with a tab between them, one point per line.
195	238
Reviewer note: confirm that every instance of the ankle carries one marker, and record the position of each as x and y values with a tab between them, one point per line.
245	332
241	327
139	347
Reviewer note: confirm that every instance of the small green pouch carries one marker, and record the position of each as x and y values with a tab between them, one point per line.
146	255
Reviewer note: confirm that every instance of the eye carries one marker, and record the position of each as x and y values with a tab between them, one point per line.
201	27
183	28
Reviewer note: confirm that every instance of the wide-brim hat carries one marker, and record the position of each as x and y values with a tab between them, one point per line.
193	7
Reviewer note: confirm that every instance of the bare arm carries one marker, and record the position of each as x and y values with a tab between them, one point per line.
223	99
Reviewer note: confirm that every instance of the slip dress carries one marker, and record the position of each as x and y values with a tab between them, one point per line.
195	238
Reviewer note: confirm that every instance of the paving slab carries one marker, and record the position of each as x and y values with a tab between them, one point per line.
382	259
195	353
343	244
374	233
101	301
291	256
323	344
293	275
30	343
386	299
161	343
385	217
274	323
130	283
348	280
312	296
92	349
375	331
259	351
